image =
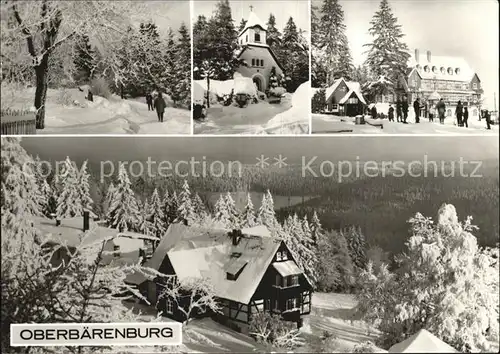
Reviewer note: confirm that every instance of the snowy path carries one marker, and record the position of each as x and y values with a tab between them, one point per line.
330	124
104	116
235	120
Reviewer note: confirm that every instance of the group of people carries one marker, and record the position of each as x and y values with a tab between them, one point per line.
156	103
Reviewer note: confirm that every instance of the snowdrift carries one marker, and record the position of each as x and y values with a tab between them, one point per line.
244	85
240	84
296	119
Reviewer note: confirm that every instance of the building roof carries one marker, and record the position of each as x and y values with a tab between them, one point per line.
353	87
210	254
465	72
287	268
253	21
70	232
422	342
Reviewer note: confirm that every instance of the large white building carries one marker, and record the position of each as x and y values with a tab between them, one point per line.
258	56
447	77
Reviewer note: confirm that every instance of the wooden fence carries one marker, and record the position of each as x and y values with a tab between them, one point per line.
18	125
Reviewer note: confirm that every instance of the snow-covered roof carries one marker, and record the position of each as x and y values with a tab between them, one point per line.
353	86
253	21
202	253
70	232
455	68
422	342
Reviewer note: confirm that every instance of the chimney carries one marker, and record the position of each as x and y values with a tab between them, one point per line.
86	220
236	236
417	55
429	56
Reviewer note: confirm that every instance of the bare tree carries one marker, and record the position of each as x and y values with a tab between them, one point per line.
44	25
192	296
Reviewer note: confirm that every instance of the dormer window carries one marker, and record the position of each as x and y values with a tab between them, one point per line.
426	68
474	86
434	69
257	37
443	70
235	268
457	71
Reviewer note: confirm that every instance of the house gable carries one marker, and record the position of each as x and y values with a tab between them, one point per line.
475	83
340	91
264	52
414	80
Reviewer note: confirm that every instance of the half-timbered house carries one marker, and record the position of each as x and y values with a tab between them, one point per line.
249	274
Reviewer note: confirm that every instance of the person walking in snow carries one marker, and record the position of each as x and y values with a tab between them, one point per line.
459	113
416	108
466	117
441	108
391	113
149	101
399	111
160	105
405	110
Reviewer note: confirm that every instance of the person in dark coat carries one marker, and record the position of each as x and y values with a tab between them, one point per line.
466	117
405	110
391	113
399	111
487	117
90	96
459	111
374	112
160	105
149	101
416	108
441	108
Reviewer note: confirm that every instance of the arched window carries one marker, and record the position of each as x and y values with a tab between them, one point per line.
262	62
434	69
419	67
253	62
457	71
427	69
450	71
443	70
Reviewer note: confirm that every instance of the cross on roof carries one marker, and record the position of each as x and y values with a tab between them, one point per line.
251	8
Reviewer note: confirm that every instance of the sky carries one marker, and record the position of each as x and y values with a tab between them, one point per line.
170	13
466	28
246	150
281	9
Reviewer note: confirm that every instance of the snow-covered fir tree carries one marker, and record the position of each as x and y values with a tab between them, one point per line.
85	59
108	200
185	208
84	188
173	215
266	214
221	214
357	246
144	225
181	85
199	207
294	54
273	35
387	54
43	187
69	203
242	25
307	250
124	212
248	214
316	228
166	208
232	212
331	43
156	216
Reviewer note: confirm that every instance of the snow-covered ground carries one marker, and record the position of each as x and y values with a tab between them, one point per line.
330	124
68	112
290	116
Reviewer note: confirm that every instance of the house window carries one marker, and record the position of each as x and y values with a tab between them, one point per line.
290	281
291	304
253	62
262	62
414	83
116	251
278	280
443	70
246	38
457	71
278	256
426	68
170	306
257	37
259	304
267	305
352	100
284	256
276	305
434	69
450	71
474	86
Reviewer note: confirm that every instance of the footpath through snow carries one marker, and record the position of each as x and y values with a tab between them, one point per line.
68	112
